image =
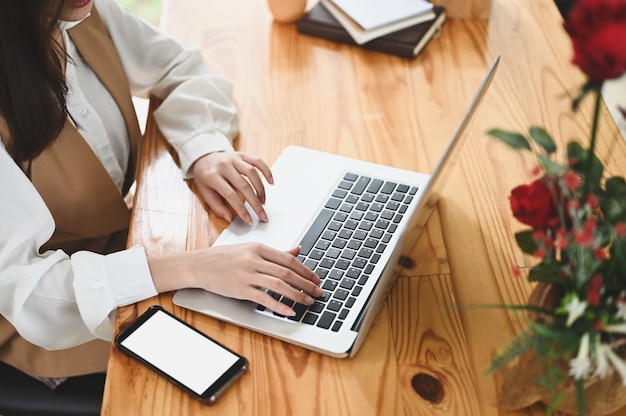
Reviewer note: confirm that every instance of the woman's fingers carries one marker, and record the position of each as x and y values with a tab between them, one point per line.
235	177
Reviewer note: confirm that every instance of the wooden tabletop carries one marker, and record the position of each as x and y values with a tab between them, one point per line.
431	344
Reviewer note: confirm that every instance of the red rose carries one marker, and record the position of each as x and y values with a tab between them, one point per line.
534	205
597	29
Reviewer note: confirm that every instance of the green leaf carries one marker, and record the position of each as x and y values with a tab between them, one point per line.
618	260
615	187
542	138
614	209
550	166
550	333
512	139
580	396
518	345
614	201
544	272
591	172
526	242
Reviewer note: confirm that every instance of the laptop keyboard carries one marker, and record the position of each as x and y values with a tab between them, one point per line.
345	242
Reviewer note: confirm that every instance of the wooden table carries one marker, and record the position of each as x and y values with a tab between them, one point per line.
429	348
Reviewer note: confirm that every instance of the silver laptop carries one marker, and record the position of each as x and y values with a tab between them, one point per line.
353	220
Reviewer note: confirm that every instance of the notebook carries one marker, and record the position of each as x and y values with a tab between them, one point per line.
360	35
380	210
372	14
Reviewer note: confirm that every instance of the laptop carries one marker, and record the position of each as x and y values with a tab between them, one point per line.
353	219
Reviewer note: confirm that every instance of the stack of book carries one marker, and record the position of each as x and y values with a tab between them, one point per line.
397	27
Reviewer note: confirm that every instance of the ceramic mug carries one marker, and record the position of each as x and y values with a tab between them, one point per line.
287	11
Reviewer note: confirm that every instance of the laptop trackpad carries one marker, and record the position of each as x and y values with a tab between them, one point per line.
301	185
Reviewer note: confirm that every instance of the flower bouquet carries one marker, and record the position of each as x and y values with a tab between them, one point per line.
577	219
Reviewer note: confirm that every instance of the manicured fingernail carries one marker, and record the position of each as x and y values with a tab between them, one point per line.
318	291
247	218
263	216
289	312
308	300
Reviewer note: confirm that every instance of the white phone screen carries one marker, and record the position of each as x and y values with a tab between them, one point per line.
184	354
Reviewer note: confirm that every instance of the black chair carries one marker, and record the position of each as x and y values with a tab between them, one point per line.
21	395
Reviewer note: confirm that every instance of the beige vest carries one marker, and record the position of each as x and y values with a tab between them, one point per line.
89	212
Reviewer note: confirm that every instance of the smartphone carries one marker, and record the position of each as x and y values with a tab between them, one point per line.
182	354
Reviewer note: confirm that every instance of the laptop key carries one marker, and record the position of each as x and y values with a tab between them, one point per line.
341	294
353	273
354	244
374	186
315	231
333	203
327	263
317	307
334	305
360	185
326	319
345	234
299	309
310	318
346	284
321	272
336	326
352	199
377	233
388	188
350	176
336	274
345	185
402	188
339	193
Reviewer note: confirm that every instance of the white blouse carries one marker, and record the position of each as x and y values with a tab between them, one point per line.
57	301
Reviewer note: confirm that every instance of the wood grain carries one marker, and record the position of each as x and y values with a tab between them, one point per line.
435	337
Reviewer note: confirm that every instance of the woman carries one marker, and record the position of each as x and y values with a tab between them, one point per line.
69	146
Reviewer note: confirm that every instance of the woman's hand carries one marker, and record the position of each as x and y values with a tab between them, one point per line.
224	178
239	271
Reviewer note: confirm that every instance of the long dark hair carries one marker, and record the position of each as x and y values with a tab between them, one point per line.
32	83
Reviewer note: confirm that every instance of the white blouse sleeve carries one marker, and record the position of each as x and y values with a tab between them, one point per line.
197	115
53	300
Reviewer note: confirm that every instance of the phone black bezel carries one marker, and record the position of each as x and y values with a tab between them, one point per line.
211	394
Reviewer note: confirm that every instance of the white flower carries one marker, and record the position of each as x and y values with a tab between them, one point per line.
621	310
575	309
580	366
619	328
603	368
618	364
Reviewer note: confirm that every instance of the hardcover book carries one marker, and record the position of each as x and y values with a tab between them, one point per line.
406	43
